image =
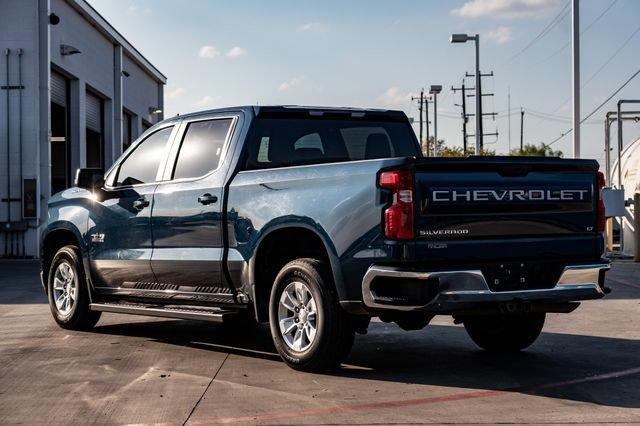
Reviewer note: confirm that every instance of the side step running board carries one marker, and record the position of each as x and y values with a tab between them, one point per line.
173	311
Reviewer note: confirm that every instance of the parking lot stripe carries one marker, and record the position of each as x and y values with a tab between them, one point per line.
418	401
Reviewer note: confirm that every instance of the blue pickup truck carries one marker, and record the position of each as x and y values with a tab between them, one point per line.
317	220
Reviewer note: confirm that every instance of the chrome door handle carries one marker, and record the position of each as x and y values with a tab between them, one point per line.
140	203
207	199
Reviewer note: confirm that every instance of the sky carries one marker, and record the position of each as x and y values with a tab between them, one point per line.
369	53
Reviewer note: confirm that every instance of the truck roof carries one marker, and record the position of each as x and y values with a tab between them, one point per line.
272	110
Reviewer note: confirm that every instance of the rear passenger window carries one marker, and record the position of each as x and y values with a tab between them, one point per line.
141	166
367	142
282	142
201	148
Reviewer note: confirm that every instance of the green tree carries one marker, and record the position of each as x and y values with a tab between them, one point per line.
450	151
530	150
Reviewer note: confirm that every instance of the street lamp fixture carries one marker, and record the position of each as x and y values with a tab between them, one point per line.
463	38
460	38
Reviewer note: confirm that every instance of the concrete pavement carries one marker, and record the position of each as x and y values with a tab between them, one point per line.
584	368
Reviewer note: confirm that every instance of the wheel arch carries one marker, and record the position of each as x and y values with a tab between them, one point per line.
294	240
53	239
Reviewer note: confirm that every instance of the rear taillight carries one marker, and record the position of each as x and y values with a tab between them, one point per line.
399	217
601	220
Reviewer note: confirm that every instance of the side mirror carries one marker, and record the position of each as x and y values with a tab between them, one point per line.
88	178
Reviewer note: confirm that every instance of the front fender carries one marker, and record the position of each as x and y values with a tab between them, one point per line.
68	214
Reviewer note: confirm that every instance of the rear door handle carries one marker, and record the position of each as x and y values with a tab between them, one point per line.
140	203
207	199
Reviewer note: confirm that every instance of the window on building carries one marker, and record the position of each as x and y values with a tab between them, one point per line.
201	148
94	131
127	130
141	166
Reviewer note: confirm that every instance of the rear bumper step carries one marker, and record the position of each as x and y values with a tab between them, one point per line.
174	311
453	291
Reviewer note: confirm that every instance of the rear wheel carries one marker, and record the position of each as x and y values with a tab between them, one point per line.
505	333
309	329
67	291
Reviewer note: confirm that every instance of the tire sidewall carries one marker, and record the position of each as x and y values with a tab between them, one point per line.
66	255
289	274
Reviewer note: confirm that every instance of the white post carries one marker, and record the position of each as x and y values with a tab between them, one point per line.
478	98
575	21
509	114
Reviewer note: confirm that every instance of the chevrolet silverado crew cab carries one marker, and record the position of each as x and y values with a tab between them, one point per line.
317	220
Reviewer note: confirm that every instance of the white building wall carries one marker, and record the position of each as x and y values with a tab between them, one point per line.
139	93
96	68
94	64
18	30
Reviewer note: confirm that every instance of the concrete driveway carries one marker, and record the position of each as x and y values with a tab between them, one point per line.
584	368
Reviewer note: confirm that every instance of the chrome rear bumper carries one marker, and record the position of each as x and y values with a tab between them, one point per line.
467	288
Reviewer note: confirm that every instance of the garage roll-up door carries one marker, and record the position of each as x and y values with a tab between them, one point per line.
94	112
58	89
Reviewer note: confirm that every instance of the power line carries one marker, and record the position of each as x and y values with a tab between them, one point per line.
598	107
555	21
587	28
599	70
613	56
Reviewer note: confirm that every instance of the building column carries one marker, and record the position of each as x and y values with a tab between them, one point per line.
77	131
116	145
111	143
136	126
160	116
43	147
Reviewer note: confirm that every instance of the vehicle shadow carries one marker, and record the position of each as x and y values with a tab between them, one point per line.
565	366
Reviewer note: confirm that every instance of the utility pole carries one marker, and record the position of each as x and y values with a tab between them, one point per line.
521	128
575	47
509	113
479	123
465	118
420	108
426	117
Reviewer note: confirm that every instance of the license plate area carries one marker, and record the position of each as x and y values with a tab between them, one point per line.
512	276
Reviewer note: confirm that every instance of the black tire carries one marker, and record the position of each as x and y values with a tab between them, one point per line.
505	333
78	317
334	328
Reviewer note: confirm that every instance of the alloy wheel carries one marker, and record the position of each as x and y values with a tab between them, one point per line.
297	316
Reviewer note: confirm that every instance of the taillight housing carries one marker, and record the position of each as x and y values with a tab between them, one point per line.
399	217
601	220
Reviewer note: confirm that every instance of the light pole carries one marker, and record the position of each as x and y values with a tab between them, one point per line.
575	64
463	38
434	90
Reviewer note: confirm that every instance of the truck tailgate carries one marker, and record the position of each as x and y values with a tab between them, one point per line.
505	197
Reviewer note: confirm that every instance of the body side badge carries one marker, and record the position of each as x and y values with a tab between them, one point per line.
97	238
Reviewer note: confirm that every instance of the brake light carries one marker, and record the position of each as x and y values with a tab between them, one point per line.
601	220
399	217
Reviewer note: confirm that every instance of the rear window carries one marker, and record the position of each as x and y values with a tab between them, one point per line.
280	142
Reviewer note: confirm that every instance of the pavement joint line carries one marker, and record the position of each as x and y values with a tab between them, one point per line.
418	401
205	390
623	282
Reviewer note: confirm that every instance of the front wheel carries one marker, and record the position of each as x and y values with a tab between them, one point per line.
309	329
505	333
67	291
